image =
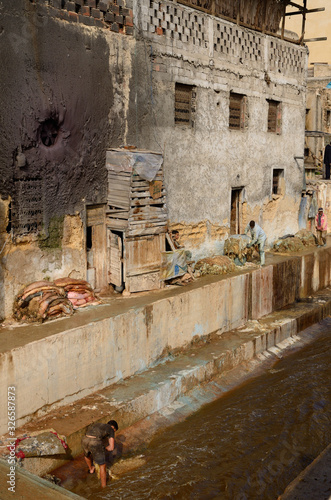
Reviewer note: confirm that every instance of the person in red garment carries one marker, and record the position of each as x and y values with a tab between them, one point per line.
99	439
321	228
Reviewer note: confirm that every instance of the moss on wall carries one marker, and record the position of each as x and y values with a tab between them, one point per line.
55	233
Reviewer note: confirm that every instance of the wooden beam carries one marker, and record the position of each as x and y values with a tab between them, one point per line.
295	5
309	11
320	39
303	20
283	21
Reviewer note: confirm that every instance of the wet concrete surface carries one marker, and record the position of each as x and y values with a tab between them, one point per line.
249	444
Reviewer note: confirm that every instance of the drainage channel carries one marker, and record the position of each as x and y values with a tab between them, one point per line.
249	444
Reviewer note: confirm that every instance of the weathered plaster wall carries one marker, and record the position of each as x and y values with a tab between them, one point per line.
203	163
70	83
27	260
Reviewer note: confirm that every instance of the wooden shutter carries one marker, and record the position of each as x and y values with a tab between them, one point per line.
115	257
235	111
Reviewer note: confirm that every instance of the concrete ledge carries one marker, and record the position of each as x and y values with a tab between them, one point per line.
158	388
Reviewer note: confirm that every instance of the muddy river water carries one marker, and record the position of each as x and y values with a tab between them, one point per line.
250	444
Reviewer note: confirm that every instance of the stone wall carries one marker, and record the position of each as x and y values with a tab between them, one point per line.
204	162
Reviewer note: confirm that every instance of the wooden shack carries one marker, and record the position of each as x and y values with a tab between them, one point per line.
136	218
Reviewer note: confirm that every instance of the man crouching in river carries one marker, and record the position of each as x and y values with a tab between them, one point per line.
98	439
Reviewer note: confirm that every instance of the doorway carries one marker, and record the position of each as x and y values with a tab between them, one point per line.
236	211
96	247
116	259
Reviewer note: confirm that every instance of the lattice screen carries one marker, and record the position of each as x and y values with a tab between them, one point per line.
27	211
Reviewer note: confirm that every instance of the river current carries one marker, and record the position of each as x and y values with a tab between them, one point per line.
250	444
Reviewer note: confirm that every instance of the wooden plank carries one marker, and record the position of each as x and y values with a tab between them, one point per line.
114	185
99	247
148	221
147	213
119	203
171	243
144	254
119	215
146	194
146	231
95	215
115	257
119	174
147	210
117	223
110	211
144	202
119	190
139	189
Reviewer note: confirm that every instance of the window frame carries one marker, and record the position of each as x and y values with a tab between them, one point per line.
237	113
182	105
274	116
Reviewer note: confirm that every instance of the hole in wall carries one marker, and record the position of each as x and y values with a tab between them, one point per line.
48	132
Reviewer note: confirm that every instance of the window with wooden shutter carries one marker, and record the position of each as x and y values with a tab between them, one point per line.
237	111
184	95
274	116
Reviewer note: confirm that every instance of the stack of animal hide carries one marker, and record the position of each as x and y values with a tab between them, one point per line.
218	264
79	292
41	300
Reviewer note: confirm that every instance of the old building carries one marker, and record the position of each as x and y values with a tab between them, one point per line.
318	117
213	86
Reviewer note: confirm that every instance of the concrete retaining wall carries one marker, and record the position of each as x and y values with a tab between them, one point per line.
71	364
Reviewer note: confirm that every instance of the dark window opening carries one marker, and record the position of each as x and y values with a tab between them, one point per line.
273	116
88	238
277	176
49	131
183	104
328	118
307	118
236	111
9	225
236	212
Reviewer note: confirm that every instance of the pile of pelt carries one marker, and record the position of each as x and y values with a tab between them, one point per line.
79	292
44	300
295	243
235	247
41	300
218	264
